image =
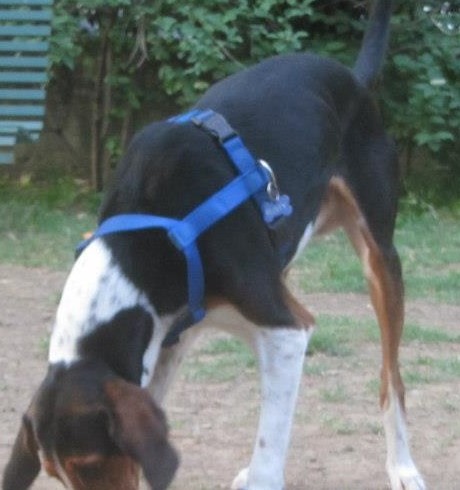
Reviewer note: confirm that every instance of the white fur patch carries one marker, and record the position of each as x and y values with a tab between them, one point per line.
306	237
400	466
152	352
281	353
95	291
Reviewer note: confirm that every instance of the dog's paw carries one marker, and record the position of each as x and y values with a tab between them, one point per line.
406	479
241	480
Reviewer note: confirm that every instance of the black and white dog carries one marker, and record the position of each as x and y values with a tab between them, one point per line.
95	421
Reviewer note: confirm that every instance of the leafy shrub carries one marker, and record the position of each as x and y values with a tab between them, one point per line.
142	53
421	100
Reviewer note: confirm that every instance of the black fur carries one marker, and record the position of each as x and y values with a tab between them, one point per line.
310	118
121	343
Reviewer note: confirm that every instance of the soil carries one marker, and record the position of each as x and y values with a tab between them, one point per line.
337	441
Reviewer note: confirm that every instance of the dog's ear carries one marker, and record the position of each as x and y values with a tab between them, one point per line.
139	429
24	464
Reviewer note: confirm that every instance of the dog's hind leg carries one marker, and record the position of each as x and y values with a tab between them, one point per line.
383	272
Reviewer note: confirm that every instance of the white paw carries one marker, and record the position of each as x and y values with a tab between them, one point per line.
241	480
406	478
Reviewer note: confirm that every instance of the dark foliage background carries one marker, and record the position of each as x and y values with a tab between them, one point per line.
144	55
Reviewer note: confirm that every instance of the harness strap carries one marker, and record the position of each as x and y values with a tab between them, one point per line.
253	179
184	233
271	203
122	223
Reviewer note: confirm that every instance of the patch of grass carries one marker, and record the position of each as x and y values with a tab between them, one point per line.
336	335
373	386
329	264
44	344
338	425
416	333
227	345
424	370
316	366
375	429
429	247
451	406
428	370
223	359
336	394
326	343
447	368
41	225
416	377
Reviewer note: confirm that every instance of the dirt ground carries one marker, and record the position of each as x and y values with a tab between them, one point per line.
337	441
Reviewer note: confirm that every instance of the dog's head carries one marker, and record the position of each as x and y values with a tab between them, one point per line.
93	431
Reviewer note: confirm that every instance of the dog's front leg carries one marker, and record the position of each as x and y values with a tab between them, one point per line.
168	363
281	352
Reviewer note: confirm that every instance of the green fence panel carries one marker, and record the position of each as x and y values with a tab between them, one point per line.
25	28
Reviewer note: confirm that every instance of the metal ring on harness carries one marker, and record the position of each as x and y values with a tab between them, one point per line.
273	190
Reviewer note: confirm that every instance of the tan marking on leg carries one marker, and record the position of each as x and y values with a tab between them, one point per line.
382	270
340	208
302	316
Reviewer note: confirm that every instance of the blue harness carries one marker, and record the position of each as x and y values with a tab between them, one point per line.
255	180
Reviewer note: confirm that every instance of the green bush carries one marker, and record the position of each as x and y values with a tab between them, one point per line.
143	52
421	100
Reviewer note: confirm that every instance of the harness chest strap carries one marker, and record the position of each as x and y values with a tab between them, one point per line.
254	180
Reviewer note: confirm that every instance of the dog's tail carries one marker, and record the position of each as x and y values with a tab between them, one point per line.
372	53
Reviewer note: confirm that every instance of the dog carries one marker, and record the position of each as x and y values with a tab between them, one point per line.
95	421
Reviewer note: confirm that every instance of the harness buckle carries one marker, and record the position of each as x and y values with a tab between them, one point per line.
216	125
